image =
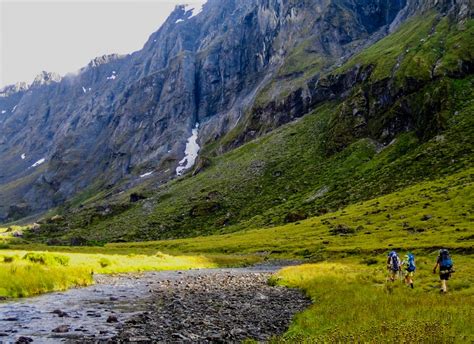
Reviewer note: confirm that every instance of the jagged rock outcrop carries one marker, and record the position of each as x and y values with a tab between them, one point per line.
45	78
122	118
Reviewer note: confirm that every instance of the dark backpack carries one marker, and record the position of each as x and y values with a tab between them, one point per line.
411	263
445	261
394	261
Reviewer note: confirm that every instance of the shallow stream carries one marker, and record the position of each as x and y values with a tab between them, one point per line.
95	313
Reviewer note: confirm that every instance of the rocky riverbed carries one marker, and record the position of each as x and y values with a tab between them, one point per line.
216	307
204	306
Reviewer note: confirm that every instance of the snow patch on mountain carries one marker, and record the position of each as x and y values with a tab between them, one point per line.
39	162
146	174
113	76
23	156
190	153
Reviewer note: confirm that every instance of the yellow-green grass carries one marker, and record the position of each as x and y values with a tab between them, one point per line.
353	302
423	217
27	273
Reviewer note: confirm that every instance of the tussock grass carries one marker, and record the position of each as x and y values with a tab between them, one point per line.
27	273
22	278
355	303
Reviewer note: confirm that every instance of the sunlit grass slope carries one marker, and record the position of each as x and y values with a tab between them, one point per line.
425	216
353	302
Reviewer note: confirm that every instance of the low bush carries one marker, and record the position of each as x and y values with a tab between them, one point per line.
104	262
370	261
46	258
8	259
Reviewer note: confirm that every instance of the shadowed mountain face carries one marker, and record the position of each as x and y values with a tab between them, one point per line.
124	119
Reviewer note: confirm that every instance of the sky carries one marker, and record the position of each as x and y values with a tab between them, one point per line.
64	35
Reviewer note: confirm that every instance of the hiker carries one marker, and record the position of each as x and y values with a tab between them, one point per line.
409	268
446	268
393	265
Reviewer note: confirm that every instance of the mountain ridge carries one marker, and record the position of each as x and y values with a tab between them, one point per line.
135	113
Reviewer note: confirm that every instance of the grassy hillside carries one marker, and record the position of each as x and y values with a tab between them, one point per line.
423	218
285	176
421	49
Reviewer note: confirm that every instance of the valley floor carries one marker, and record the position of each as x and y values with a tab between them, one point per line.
352	301
345	278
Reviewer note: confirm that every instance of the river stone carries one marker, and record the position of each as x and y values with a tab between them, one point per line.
61	329
112	319
216	307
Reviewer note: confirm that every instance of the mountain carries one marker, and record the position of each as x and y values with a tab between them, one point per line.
301	106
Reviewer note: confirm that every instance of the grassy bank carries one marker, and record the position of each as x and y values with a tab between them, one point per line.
28	273
354	302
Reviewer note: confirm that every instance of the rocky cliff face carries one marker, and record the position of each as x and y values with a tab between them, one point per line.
125	119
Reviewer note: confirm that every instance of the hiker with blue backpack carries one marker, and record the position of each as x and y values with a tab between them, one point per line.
446	268
393	265
409	268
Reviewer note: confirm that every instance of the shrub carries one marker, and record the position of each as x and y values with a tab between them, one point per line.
273	281
47	258
342	229
369	261
161	255
8	259
61	260
104	262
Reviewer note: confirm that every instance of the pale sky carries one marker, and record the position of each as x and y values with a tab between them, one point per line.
64	35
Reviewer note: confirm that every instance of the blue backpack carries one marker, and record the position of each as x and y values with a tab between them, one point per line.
445	261
411	263
394	261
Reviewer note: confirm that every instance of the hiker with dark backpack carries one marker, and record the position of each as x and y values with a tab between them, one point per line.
393	265
409	268
446	268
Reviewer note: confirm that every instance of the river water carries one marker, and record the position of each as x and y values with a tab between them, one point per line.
88	309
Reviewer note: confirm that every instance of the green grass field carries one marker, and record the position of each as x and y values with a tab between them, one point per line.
353	302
